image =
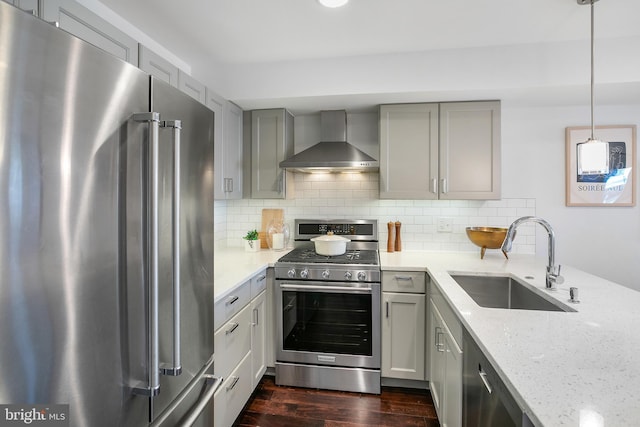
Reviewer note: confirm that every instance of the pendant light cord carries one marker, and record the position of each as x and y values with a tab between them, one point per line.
592	78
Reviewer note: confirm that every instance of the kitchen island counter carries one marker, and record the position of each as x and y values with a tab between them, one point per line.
564	369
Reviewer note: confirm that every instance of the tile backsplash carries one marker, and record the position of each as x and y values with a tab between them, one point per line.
355	196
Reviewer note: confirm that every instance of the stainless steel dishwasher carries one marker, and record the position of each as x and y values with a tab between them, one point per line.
486	400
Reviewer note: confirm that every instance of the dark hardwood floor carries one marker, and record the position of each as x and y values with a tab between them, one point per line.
279	406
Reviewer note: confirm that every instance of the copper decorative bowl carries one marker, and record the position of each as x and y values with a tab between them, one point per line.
487	238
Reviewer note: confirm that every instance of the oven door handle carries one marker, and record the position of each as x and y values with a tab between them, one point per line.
324	288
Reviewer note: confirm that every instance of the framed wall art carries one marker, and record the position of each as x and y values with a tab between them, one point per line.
613	188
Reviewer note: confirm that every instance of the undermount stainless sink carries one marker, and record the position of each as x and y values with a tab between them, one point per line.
505	292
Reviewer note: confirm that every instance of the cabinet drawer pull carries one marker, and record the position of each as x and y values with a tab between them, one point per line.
404	278
256	318
228	185
232	329
261	278
438	344
233	383
231	300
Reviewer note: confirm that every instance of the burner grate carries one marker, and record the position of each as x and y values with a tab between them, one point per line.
355	256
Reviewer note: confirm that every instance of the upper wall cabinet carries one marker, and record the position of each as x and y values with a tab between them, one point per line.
157	66
191	87
29	6
86	25
440	151
232	151
470	150
408	151
216	104
228	147
271	143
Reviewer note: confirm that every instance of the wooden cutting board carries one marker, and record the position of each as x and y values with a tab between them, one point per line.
268	215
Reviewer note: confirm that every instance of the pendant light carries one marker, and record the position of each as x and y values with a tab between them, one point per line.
593	154
333	3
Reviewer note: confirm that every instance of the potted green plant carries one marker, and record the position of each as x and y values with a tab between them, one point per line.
251	241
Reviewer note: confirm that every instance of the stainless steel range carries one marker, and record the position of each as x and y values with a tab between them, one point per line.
328	310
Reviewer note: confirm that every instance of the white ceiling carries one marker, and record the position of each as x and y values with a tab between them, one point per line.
241	33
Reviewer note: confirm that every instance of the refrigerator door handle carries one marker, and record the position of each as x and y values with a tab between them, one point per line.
152	386
175	367
213	384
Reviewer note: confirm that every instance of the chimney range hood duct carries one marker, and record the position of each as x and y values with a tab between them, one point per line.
333	153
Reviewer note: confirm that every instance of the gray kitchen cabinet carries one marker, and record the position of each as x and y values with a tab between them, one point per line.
233	364
258	338
216	104
446	362
271	143
271	319
240	341
403	325
157	66
232	343
258	327
228	148
440	151
29	6
408	151
470	150
76	19
232	395
191	87
232	151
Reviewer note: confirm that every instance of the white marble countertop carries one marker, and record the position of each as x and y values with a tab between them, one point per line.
564	369
233	266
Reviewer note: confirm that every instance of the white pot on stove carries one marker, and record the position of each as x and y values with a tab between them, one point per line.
330	244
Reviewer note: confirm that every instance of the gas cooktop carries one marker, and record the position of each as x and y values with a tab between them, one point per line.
309	255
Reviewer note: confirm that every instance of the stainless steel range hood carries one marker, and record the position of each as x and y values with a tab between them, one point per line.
333	153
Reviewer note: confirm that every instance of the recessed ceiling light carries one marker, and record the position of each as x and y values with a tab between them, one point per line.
333	3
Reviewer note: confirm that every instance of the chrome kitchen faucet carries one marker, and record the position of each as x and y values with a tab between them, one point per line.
553	272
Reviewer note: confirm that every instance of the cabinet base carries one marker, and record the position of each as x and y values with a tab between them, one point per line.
328	377
403	383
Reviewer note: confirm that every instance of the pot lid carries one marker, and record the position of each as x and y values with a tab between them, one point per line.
330	238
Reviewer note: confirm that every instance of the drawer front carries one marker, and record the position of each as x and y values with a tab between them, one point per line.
233	394
232	342
404	281
228	306
258	283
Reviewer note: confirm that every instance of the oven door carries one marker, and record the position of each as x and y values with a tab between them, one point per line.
328	323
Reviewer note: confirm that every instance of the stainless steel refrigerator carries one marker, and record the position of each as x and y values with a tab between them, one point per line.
106	224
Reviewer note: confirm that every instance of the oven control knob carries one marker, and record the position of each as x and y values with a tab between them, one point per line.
291	272
362	275
304	273
325	274
348	275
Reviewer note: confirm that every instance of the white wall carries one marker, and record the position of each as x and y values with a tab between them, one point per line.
543	73
601	240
